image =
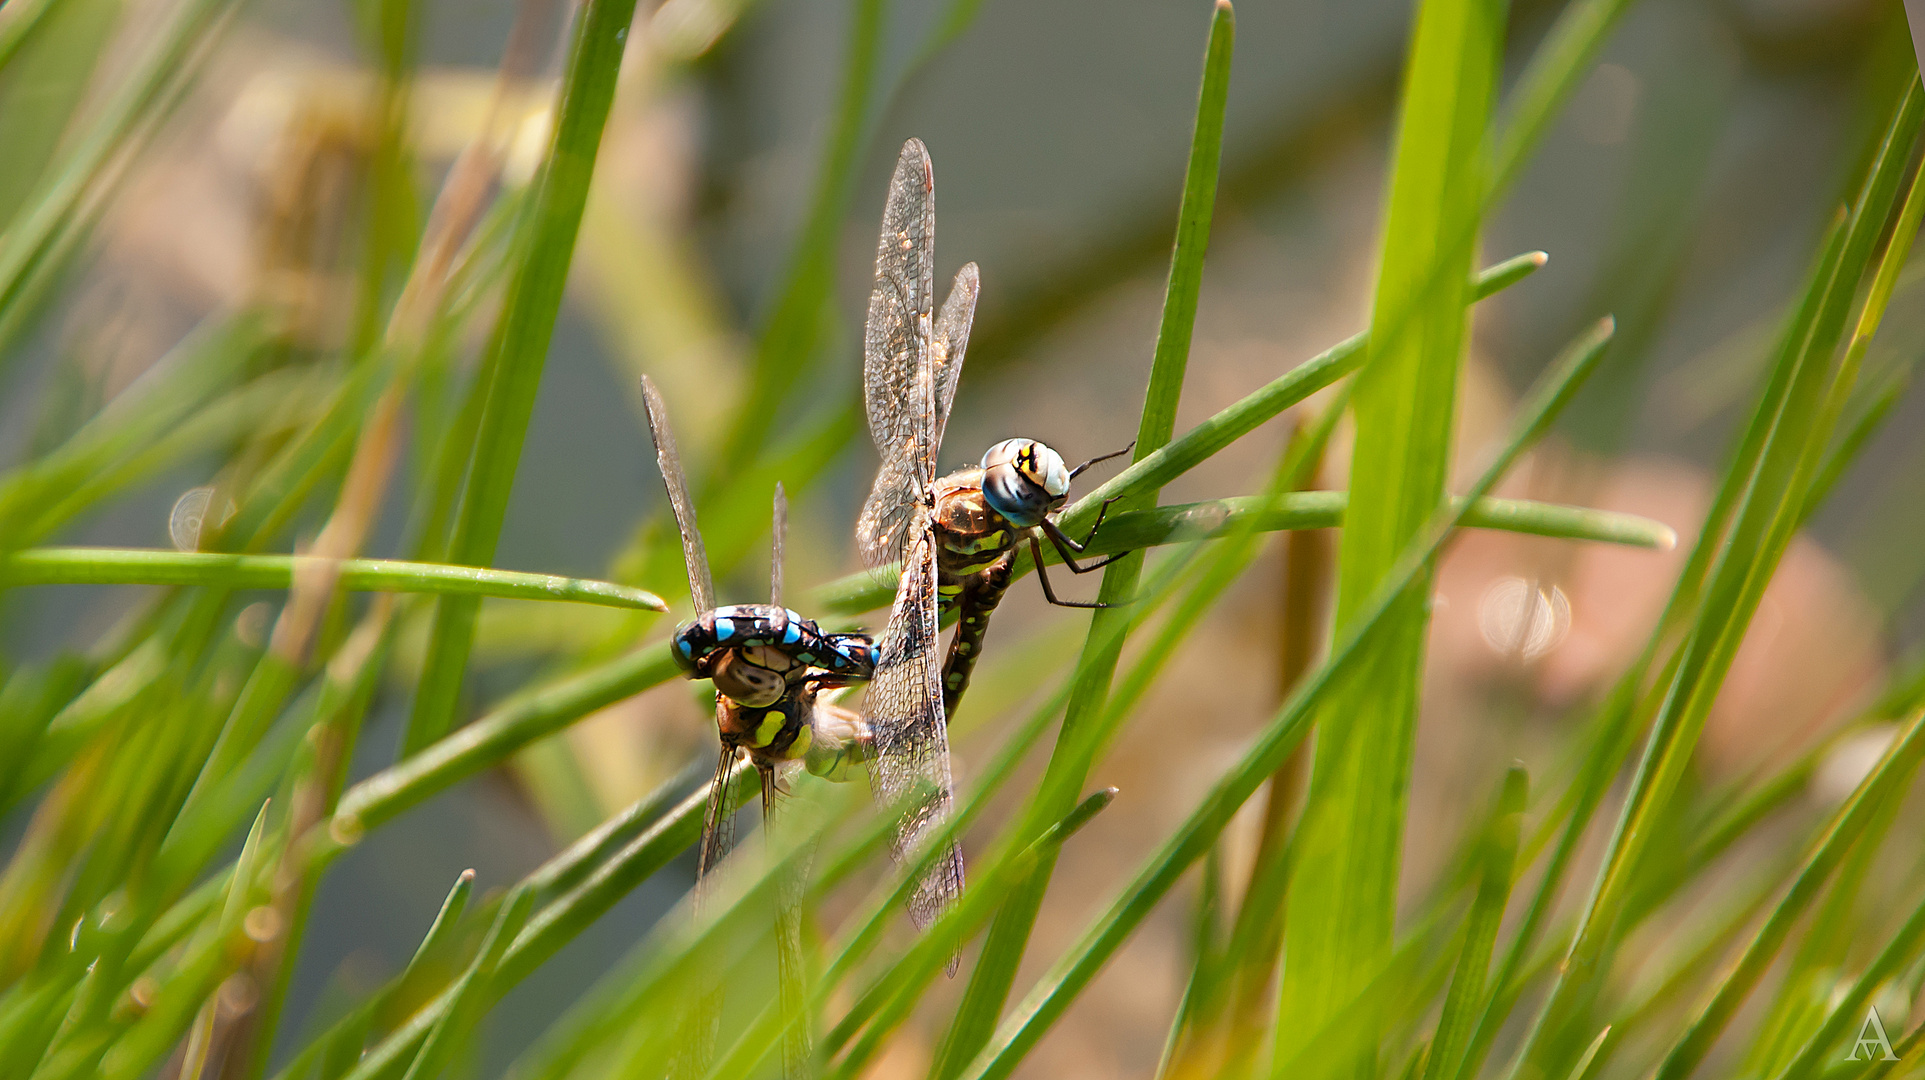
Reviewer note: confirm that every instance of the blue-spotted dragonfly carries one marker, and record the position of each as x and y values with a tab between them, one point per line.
955	537
768	664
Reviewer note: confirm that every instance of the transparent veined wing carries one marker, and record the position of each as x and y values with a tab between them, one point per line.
895	356
909	733
950	341
718	822
701	585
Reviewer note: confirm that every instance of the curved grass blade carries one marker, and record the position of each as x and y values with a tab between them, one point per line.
1318	509
149	566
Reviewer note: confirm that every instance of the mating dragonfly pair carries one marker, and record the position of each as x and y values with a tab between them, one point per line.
956	539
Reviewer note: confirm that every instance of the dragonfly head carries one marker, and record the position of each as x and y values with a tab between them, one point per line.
755	676
1023	480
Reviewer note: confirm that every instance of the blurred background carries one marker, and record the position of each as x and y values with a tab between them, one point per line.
1683	190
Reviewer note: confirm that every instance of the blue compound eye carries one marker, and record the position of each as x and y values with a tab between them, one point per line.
1022	480
685	648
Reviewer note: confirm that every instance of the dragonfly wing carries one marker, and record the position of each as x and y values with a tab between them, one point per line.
701	585
951	340
718	823
895	355
911	740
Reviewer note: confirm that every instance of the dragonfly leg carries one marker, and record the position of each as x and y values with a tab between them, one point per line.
981	593
1078	470
1069	549
1036	552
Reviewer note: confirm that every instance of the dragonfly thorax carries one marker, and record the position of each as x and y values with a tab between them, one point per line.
1023	480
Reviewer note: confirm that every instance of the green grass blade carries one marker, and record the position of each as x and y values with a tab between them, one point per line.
888	1002
1810	979
1327	509
146	566
1183	522
1216	1025
1068	770
175	1003
1201	442
36	246
1868	422
514	724
345	1036
1195	835
1847	1014
1762	527
1623	716
1151	596
1480	933
520	345
470	994
1350	842
1893	772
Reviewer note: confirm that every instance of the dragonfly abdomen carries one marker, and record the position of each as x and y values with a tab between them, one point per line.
979	594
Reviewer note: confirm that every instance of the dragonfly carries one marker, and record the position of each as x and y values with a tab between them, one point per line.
956	537
769	666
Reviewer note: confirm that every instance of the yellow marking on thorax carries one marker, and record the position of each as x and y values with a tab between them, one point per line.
768	729
804	738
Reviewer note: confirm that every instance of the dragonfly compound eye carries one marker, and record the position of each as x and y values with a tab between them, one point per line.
690	644
1023	479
